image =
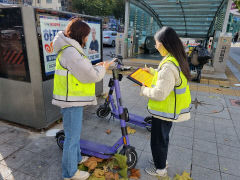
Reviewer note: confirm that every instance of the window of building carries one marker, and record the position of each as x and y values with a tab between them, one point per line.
39	1
49	1
13	54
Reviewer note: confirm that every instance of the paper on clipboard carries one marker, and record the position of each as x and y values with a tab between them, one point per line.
141	77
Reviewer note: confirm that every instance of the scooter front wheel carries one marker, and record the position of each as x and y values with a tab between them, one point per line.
103	111
132	157
60	136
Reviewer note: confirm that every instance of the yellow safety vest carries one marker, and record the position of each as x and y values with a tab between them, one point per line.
68	88
177	102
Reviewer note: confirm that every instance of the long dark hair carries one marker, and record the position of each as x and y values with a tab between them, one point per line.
77	30
172	43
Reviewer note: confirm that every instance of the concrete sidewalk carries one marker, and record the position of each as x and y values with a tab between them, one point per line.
207	146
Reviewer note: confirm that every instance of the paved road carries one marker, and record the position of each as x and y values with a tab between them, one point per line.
207	146
107	51
235	50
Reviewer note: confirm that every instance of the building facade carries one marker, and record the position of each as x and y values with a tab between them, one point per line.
67	5
50	4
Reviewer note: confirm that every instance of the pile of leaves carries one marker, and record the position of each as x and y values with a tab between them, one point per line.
114	168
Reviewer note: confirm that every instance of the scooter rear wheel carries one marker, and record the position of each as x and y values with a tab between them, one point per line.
60	139
103	111
149	121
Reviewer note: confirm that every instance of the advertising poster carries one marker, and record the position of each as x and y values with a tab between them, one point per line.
93	46
50	26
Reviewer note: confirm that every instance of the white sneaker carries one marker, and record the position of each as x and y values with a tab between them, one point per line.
79	175
156	172
84	158
151	162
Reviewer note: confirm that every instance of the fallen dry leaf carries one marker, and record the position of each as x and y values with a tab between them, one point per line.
105	169
130	130
108	131
90	164
214	111
105	95
111	176
98	173
135	174
116	176
184	176
95	159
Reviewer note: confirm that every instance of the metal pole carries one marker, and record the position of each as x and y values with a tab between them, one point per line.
126	25
226	16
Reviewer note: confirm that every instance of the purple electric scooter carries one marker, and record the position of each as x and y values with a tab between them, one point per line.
105	109
103	151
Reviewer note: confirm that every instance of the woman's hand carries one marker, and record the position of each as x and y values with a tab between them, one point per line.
146	69
99	64
106	64
143	85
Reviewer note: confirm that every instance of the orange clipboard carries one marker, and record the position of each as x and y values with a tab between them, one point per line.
141	77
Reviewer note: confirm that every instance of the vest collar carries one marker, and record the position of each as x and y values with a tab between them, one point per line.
163	61
68	41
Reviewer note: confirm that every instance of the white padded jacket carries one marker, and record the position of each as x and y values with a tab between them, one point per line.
83	70
168	77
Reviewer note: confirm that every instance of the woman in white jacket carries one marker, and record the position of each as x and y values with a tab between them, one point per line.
169	96
74	87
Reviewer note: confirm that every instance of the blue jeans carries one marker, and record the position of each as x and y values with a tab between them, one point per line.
72	125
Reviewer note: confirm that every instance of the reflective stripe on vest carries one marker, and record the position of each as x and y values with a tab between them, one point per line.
62	72
177	91
74	98
168	115
68	88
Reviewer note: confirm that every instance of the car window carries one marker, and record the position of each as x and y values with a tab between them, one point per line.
105	33
114	34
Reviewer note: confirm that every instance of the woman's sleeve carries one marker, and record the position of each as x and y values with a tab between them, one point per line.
152	71
81	68
167	78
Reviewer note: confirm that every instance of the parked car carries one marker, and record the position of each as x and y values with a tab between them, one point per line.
109	38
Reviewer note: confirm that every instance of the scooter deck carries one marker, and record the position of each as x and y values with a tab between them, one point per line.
134	119
96	149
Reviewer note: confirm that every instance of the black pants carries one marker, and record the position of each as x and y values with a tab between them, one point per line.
159	141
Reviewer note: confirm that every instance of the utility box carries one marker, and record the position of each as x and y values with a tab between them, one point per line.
119	44
222	52
27	62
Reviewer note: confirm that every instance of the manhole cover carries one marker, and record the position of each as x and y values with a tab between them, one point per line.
235	102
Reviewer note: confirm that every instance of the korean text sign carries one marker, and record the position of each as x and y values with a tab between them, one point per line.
50	26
